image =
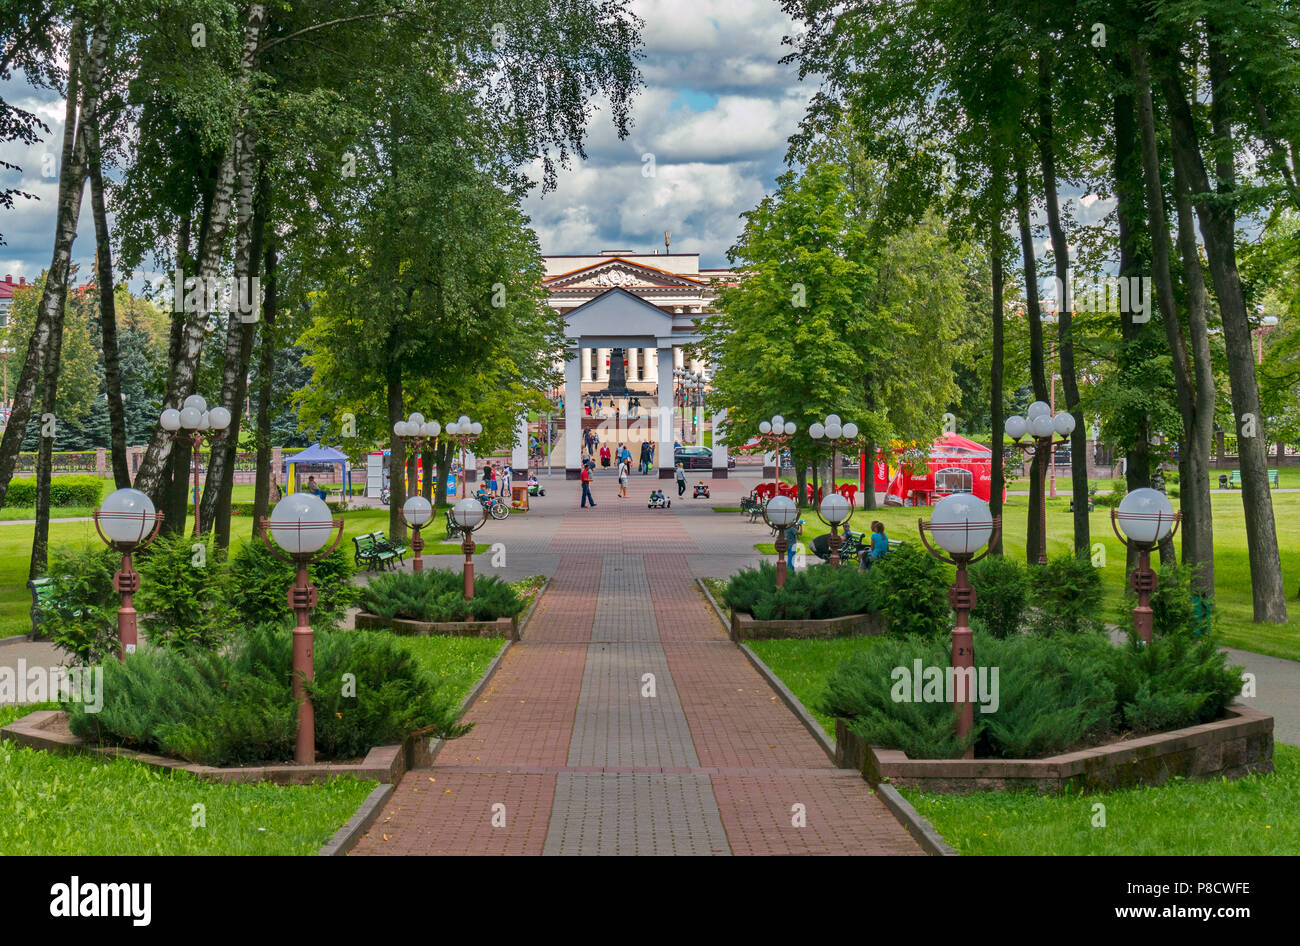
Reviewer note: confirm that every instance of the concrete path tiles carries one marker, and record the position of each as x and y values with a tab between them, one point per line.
570	755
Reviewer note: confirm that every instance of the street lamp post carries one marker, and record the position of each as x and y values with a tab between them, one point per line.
301	526
1043	428
835	510
1147	518
416	511
419	432
778	513
778	432
961	525
193	423
469	515
127	521
464	432
834	433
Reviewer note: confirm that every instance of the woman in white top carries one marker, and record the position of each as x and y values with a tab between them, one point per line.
622	479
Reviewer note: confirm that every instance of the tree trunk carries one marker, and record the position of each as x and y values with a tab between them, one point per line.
444	470
397	455
107	307
1217	221
1065	318
869	480
995	375
265	389
55	292
1037	468
183	377
428	460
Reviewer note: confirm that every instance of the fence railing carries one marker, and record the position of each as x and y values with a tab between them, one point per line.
63	462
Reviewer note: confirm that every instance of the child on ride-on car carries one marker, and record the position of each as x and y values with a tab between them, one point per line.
701	489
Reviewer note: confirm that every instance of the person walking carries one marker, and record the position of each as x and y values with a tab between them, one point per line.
604	455
681	480
586	487
645	457
624	467
792	542
507	475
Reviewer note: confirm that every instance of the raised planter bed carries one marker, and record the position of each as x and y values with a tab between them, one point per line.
48	730
744	627
501	627
1239	744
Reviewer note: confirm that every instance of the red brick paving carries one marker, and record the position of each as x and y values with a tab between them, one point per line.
756	755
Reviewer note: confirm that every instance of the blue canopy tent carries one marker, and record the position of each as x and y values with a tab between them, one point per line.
315	454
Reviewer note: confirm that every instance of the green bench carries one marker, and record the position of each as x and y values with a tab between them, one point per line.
373	550
42	600
1233	480
454	531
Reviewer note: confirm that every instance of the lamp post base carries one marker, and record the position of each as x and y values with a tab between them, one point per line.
961	597
468	548
302	598
781	548
417	546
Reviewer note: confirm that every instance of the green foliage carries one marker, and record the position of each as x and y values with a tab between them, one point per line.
860	691
183	592
1174	609
438	595
1001	591
912	591
237	708
811	594
1178	680
259	586
81	615
1067	595
64	491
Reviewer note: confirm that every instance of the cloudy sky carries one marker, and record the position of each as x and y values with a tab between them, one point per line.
708	141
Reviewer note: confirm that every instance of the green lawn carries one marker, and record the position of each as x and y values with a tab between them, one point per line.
458	661
805	666
53	804
1232	565
1259	814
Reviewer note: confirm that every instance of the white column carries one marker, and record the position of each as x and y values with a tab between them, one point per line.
602	365
519	455
633	374
585	354
719	446
769	466
677	357
572	419
664	415
471	468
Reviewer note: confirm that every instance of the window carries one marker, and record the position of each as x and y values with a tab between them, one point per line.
953	480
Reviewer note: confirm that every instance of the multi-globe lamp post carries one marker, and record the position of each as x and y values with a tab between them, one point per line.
126	521
419	432
301	525
464	432
469	515
778	432
835	509
193	423
1147	518
961	525
690	386
1043	428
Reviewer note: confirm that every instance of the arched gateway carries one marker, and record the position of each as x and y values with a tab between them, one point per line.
627	317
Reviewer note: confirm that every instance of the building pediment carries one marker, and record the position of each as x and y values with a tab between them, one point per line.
618	273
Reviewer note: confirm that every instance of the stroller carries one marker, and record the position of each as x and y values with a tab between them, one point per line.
658	500
700	489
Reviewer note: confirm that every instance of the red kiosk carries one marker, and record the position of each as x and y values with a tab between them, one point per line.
956	465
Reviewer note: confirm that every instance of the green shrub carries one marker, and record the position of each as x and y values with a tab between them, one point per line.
64	491
911	590
1054	695
1001	590
861	691
823	591
438	595
81	615
238	708
1176	607
1178	680
183	592
259	586
1109	500
1067	595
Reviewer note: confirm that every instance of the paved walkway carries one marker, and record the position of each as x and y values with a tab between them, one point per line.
585	761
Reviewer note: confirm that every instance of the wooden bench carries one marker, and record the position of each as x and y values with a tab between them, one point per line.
375	551
454	531
1233	480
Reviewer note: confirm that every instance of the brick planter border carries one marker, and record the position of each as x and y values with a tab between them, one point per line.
501	627
383	763
744	627
1239	744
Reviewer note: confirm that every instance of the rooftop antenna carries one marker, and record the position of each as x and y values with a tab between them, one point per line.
665	241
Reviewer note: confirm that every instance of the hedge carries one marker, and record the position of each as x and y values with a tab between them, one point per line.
64	491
